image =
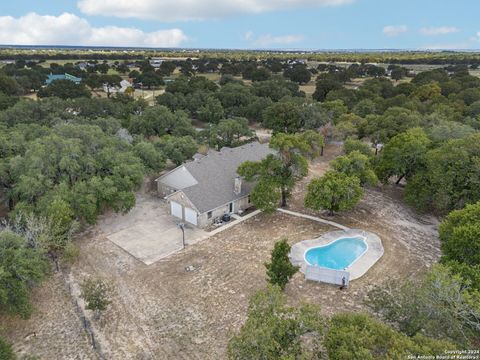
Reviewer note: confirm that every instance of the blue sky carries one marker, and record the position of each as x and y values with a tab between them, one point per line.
297	24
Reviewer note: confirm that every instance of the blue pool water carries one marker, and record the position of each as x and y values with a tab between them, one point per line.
337	255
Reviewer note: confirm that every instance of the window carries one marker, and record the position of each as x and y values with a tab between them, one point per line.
248	199
209	215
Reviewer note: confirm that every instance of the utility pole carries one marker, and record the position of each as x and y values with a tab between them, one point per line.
182	227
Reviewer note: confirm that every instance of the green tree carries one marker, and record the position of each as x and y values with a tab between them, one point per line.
6	351
229	132
460	235
448	130
234	96
97	294
298	73
280	270
283	117
167	68
356	164
275	331
358	336
151	156
324	86
21	268
64	89
334	191
260	74
275	88
211	111
60	227
395	120
173	101
428	92
351	145
403	155
278	172
398	73
9	86
424	305
177	148
159	120
450	178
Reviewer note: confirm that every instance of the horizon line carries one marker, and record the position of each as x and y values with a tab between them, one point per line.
199	49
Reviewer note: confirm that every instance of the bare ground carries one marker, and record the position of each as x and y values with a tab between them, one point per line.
163	311
410	241
54	331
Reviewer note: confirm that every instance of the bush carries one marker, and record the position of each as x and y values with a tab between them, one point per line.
280	269
357	145
6	351
97	294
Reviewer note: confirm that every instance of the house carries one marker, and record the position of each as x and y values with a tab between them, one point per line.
156	62
208	187
124	85
52	77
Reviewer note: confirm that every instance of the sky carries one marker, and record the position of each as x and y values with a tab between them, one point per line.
244	24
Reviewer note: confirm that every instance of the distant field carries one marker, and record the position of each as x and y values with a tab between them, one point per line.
309	88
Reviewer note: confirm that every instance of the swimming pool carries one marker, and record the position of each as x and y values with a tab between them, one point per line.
338	255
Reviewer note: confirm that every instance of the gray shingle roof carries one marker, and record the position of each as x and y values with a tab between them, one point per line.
216	174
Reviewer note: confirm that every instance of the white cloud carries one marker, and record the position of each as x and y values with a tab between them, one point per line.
248	35
395	30
269	40
450	46
442	30
69	29
470	43
184	10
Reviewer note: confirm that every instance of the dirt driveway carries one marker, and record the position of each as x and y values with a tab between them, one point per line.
148	232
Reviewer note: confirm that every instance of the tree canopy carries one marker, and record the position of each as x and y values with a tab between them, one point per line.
22	268
277	173
334	191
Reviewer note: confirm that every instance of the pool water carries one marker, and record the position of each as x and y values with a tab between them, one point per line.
337	255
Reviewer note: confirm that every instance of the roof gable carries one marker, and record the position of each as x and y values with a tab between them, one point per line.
214	175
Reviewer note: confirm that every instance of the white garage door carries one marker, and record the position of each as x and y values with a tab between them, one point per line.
176	209
191	216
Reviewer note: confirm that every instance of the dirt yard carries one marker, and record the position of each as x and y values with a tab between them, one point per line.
54	331
188	305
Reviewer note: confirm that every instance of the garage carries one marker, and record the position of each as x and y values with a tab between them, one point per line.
184	213
191	216
176	209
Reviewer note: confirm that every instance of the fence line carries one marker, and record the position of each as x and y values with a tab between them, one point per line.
87	326
326	275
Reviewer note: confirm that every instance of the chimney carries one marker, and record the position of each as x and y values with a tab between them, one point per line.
237	187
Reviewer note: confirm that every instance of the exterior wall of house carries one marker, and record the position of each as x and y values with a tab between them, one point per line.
240	204
203	220
164	190
179	197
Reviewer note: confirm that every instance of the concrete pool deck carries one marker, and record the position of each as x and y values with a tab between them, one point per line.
359	267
